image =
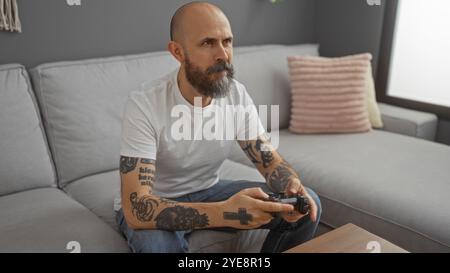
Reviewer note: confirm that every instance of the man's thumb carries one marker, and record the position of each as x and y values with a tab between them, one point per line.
292	189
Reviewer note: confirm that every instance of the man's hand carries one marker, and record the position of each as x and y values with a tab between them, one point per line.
247	210
293	188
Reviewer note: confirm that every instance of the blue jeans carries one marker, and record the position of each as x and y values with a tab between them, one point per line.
282	236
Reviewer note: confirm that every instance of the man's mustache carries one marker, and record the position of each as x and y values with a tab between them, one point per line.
219	67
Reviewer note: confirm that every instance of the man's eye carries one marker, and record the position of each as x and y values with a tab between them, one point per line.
207	43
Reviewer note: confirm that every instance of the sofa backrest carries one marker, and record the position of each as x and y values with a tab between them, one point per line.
265	74
82	102
25	160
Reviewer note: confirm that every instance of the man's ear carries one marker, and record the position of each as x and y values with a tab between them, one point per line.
176	50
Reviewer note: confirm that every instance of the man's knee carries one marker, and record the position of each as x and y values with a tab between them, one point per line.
158	241
316	199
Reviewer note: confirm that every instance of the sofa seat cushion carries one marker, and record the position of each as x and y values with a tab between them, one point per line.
24	156
392	185
97	193
46	220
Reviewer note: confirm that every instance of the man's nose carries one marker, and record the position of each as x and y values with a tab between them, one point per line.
222	54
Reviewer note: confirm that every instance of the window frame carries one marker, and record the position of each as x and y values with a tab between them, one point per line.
384	65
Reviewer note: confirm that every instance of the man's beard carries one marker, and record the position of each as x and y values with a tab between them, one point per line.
204	84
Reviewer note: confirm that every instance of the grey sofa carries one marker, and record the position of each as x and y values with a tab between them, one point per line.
59	150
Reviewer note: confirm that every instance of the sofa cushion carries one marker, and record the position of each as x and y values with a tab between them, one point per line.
392	185
97	193
25	162
46	220
329	94
265	75
83	103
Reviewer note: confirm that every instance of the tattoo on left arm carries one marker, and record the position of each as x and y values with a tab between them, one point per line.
251	154
279	178
270	164
266	156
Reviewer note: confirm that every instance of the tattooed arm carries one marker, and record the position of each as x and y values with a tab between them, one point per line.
279	175
277	172
144	210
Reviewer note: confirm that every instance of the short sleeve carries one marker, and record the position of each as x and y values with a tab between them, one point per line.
249	123
138	133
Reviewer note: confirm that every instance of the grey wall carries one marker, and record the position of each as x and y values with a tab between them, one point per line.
54	31
348	26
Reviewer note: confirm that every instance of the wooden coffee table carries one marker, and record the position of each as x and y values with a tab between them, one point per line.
347	239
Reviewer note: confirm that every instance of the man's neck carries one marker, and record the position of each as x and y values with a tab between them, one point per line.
188	91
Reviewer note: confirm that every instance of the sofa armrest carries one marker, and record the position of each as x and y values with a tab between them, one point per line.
408	122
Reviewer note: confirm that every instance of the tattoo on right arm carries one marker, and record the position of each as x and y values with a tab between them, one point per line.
242	215
146	176
181	218
143	207
147	161
127	164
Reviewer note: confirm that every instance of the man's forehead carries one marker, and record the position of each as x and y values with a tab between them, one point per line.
214	34
215	30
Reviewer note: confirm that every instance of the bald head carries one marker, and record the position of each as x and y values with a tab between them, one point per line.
202	41
188	16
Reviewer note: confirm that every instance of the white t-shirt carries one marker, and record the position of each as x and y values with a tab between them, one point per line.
161	124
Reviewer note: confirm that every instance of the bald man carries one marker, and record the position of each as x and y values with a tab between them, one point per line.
170	186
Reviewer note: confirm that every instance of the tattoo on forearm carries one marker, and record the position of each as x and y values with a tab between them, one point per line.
277	172
143	207
266	156
242	215
279	178
257	152
248	149
127	164
146	176
181	218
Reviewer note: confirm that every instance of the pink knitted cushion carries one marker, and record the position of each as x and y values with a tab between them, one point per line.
328	94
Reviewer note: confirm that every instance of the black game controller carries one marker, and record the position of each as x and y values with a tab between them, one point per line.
300	202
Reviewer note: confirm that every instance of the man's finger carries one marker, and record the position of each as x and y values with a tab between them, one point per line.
257	193
293	187
274	207
313	208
